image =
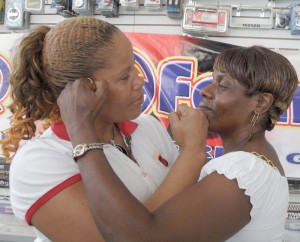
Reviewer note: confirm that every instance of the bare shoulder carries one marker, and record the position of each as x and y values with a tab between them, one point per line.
268	151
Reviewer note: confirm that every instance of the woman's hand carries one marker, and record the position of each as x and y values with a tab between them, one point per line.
189	127
80	104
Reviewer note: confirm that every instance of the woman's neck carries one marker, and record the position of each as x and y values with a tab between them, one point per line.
242	142
105	132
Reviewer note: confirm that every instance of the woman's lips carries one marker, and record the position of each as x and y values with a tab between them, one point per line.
204	107
140	99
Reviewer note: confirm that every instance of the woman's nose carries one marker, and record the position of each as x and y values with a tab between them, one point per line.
138	82
208	90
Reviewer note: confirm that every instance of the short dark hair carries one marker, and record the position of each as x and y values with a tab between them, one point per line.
261	70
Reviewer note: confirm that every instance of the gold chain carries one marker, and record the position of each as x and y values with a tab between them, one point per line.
264	158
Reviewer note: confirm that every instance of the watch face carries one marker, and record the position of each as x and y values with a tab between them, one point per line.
78	150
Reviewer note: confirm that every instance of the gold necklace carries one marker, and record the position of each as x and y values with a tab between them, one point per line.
264	158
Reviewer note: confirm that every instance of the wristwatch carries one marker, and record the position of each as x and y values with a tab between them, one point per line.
81	149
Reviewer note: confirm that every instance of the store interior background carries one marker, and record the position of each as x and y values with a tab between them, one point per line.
146	21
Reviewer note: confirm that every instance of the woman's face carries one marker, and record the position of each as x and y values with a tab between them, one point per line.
125	87
227	107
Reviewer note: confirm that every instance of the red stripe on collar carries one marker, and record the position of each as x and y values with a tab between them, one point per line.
128	127
59	129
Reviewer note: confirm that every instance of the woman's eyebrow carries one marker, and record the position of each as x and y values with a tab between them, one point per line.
127	69
219	74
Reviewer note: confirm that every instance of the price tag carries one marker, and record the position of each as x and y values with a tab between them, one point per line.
205	17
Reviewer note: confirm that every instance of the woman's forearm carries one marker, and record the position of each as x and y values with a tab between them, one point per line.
184	172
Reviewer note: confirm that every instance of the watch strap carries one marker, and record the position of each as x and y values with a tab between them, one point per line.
81	149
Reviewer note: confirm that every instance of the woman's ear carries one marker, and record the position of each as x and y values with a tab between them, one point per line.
264	101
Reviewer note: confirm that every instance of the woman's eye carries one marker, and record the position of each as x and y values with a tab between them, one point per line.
221	87
125	77
128	73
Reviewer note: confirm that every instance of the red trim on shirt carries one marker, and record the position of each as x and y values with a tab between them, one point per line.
45	198
128	127
59	129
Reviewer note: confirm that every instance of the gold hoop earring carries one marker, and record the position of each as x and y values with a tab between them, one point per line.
253	122
92	84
